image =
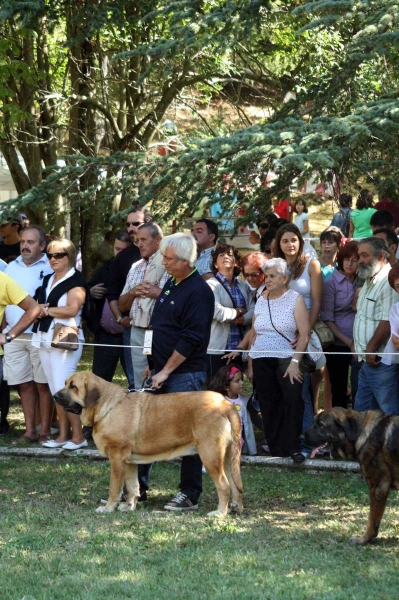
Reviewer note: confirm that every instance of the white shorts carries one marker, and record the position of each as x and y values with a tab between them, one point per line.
58	365
22	361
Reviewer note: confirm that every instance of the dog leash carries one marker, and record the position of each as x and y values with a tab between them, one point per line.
146	386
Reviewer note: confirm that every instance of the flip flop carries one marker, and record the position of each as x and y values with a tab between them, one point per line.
24	439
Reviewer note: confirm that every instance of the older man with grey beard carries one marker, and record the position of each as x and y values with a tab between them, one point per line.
378	383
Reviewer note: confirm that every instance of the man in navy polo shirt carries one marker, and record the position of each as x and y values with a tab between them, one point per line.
181	325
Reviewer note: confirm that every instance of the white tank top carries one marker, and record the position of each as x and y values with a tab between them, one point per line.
303	286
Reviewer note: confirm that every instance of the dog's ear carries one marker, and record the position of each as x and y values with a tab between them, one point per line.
350	426
92	395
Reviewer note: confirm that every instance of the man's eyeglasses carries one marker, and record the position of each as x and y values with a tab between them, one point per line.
248	275
267	251
134	223
263	226
56	255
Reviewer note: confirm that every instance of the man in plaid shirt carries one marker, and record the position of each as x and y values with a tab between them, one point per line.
143	285
378	382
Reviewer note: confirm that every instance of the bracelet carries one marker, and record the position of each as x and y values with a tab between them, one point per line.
295	360
119	319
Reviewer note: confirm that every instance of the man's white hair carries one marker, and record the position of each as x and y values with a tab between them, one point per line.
183	244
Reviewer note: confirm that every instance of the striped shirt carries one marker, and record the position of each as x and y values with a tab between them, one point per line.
137	275
373	305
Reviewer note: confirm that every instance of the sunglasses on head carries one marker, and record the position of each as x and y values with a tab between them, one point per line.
248	275
134	223
56	255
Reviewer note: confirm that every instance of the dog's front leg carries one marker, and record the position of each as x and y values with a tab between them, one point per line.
118	469
132	488
378	501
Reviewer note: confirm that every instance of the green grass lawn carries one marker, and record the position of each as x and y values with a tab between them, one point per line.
291	542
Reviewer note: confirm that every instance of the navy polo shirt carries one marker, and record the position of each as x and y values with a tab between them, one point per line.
181	321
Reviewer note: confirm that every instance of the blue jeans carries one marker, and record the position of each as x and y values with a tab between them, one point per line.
378	388
191	466
128	357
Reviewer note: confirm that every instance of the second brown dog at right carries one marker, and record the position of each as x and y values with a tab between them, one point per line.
141	428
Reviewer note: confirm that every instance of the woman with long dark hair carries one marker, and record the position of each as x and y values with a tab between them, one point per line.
306	279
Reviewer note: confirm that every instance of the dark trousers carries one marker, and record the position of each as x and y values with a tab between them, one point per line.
191	466
338	370
216	362
4	395
281	405
106	358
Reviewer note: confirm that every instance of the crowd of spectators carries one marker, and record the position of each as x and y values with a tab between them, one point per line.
206	317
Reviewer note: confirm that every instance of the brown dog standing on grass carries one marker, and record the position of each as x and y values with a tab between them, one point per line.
372	439
140	428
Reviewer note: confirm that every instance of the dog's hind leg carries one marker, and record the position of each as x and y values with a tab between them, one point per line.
378	501
132	487
236	505
118	469
212	458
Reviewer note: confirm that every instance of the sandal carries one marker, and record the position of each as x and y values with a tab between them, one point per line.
24	439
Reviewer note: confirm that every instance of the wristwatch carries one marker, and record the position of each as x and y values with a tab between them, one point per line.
119	319
8	338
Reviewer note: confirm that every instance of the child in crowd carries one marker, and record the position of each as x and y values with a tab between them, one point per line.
301	218
228	381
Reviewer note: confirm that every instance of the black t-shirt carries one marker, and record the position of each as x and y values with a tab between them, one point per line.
120	269
9	252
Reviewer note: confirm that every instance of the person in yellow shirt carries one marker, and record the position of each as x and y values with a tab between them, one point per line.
12	293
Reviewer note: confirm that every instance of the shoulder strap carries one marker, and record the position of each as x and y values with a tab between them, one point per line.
271	321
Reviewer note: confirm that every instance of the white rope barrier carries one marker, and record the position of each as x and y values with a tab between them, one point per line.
227	351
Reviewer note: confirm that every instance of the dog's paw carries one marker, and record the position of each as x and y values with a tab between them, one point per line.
126	506
104	509
361	540
235	509
217	514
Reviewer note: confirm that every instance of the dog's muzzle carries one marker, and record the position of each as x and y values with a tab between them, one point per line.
73	408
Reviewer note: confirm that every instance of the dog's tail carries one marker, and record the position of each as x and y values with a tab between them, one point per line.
235	449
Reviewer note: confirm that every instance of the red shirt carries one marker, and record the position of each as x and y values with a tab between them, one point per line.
283	208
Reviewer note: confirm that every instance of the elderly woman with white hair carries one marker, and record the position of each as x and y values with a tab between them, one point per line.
280	315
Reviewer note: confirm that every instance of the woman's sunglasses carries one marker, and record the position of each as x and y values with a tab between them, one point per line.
56	255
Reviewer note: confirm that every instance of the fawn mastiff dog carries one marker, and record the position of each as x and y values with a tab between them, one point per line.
139	428
372	439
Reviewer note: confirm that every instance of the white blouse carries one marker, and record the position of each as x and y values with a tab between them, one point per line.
268	341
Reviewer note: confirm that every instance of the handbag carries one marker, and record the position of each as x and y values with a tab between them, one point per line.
307	363
324	333
65	337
